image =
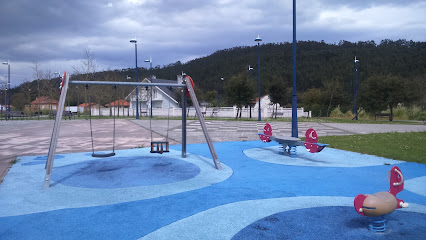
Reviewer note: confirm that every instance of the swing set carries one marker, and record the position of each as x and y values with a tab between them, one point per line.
160	146
156	146
101	155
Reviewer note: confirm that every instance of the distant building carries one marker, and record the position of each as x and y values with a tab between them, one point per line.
265	102
119	103
162	97
44	103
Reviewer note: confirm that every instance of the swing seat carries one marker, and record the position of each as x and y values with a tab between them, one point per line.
158	147
103	155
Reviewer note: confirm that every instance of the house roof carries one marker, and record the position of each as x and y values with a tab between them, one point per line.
257	98
167	90
119	102
44	100
86	104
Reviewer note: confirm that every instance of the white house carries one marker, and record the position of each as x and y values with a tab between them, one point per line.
162	97
268	109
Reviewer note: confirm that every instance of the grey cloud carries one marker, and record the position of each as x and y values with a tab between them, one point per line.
55	32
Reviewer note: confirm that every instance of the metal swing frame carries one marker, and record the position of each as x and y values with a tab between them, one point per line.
186	86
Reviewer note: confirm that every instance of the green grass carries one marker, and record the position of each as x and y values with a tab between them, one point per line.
410	147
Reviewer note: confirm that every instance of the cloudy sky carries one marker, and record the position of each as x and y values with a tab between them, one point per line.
55	33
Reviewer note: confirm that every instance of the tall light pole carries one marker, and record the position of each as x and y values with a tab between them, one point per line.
258	40
150	79
136	60
60	87
249	71
218	87
294	128
60	80
8	85
355	110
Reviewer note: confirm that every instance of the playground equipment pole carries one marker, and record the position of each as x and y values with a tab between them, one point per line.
258	40
294	129
136	59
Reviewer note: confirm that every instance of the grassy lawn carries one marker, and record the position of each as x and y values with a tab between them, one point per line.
410	147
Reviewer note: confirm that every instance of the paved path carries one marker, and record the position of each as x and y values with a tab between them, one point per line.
30	137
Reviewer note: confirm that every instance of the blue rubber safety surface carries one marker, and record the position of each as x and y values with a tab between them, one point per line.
122	172
139	195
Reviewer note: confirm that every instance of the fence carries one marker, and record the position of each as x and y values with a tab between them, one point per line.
223	112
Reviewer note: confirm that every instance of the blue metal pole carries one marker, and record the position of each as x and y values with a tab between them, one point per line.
150	74
137	94
218	96
249	70
8	86
258	74
294	129
355	110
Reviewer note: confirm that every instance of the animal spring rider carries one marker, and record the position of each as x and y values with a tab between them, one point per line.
381	203
289	143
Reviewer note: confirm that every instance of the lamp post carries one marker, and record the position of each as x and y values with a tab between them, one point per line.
60	80
29	101
249	71
8	85
355	110
150	79
294	128
136	60
258	40
218	88
60	87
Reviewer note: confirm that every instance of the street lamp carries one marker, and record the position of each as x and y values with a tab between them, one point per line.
355	110
60	80
218	88
258	40
8	85
249	71
294	128
60	89
150	79
136	60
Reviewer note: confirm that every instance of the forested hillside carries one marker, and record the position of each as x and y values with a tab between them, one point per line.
325	73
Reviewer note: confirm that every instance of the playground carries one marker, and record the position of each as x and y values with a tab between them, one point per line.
258	194
247	189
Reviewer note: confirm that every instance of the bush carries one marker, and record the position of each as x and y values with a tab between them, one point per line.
336	113
416	113
400	113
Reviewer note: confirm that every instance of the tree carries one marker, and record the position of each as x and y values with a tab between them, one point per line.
382	92
333	94
86	70
313	100
278	94
239	91
18	100
211	97
50	87
37	74
26	89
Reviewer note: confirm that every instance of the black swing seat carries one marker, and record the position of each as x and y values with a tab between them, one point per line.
159	147
103	155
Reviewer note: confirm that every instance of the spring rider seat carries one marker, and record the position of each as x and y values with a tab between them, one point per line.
381	203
